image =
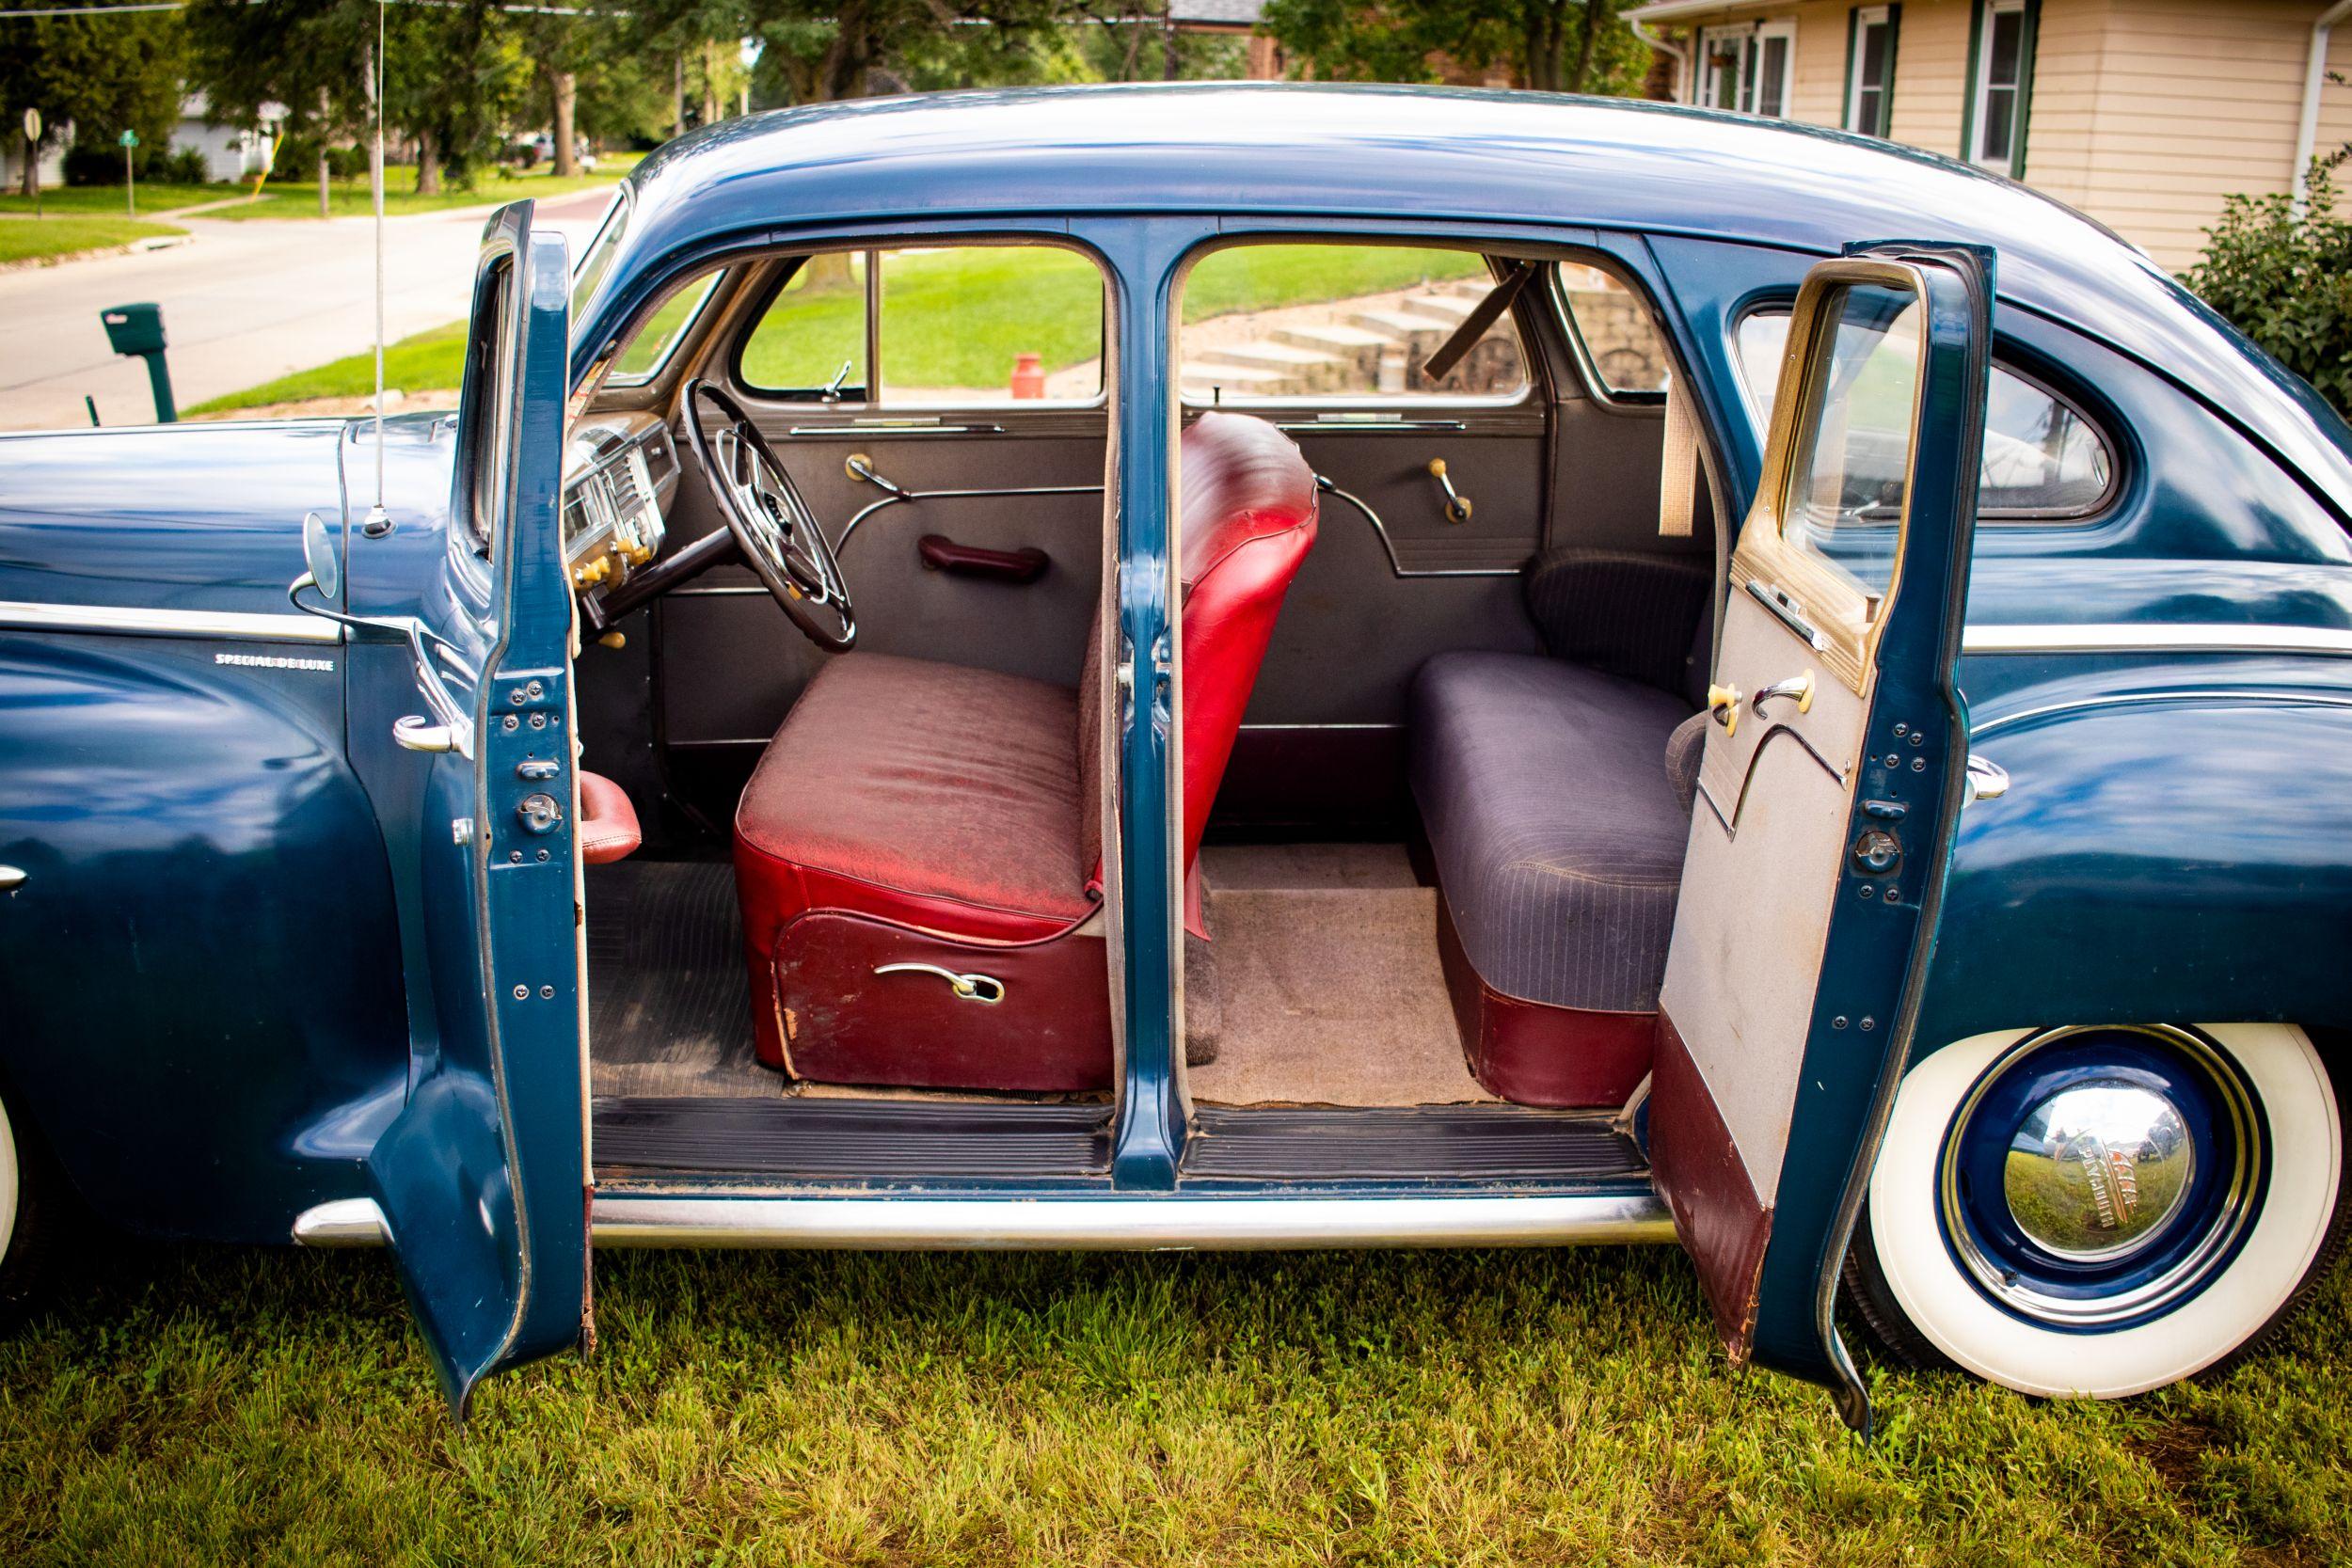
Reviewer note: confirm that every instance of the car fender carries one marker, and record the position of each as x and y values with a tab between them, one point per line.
200	969
2179	854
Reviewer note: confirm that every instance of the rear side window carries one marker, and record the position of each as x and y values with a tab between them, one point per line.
2044	458
1343	323
1612	326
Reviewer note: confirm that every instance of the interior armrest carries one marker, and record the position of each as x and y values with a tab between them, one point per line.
607	823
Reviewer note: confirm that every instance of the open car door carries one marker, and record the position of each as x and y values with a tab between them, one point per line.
1829	788
464	735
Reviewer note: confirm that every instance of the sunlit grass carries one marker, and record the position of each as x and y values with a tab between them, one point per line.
28	239
212	1405
430	360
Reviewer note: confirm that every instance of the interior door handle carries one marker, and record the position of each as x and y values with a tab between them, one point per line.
1798	686
942	554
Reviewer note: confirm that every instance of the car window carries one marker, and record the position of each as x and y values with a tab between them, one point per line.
2042	456
954	326
597	260
646	352
1341	322
1850	478
1620	338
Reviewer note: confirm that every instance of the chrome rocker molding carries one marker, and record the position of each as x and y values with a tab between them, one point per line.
1088	1224
2132	639
236	626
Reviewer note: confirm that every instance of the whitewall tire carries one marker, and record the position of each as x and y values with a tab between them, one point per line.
2097	1212
29	1193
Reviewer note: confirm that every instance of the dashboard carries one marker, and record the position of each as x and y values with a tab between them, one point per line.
619	474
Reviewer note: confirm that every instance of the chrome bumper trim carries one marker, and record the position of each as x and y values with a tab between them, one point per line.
235	626
1238	1224
345	1222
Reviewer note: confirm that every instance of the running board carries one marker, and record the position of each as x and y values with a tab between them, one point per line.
1111	1224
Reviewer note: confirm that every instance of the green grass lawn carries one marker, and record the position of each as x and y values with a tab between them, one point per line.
952	318
350	197
429	360
295	198
28	239
213	1405
107	200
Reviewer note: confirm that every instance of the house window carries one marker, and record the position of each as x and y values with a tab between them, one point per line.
1870	70
1748	68
2002	81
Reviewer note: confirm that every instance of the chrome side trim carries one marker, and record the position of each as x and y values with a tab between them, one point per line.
2274	698
1128	1224
1236	1224
240	626
2127	637
344	1222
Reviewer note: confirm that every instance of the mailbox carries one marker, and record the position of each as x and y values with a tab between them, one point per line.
139	329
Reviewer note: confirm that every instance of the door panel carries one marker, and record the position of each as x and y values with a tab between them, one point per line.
482	1177
725	623
1828	786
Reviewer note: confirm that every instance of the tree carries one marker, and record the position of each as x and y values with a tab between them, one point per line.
820	51
2283	276
1547	45
307	58
96	76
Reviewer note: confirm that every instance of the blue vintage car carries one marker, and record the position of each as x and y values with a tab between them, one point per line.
1428	669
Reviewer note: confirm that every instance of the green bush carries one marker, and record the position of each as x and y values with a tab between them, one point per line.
2285	280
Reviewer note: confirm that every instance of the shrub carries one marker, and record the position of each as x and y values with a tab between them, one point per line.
182	165
2285	280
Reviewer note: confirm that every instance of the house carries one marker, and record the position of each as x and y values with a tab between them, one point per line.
230	153
2145	114
51	163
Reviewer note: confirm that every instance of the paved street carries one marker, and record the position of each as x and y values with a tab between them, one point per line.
243	302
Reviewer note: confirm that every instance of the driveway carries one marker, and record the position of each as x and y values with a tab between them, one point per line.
243	302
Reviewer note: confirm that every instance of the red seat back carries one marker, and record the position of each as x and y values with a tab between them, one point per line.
1247	518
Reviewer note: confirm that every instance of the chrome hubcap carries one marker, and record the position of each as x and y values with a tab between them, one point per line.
2097	1178
2097	1171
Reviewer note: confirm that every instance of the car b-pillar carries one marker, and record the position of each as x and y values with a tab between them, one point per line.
1141	260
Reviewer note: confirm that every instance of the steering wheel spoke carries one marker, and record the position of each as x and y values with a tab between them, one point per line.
779	537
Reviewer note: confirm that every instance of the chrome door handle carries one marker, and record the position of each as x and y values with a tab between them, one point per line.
1987	779
970	988
416	733
12	878
1798	686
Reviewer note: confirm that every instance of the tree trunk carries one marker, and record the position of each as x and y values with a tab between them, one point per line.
1597	15
714	105
566	97
28	182
1168	65
1546	44
428	164
677	93
325	111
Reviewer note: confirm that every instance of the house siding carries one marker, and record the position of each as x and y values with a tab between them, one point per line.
2146	114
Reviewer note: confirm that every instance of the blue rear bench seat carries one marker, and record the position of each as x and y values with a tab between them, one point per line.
1557	821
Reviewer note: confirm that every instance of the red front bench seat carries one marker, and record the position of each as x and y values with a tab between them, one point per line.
936	816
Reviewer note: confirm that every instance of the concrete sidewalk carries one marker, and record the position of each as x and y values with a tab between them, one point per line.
244	303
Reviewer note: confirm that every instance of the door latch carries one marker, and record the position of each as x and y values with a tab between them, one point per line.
539	812
1877	852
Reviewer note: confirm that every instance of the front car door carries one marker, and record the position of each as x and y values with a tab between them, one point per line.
1829	785
464	737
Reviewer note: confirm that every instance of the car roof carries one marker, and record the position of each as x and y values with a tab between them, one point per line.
1450	154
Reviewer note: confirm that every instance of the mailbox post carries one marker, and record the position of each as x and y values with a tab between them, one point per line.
139	329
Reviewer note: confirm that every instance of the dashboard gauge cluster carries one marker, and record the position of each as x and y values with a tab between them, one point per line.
617	479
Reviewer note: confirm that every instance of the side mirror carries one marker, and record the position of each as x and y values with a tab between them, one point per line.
318	553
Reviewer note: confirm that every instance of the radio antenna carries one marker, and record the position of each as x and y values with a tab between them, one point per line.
379	521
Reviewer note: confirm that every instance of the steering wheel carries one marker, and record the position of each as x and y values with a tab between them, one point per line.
774	530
